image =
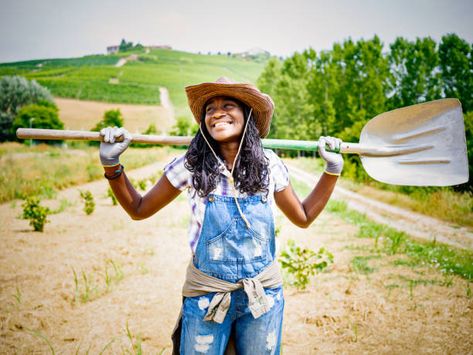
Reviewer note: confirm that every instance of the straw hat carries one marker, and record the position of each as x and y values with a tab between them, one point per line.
262	104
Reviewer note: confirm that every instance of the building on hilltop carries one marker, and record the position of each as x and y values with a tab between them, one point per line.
112	49
116	48
255	54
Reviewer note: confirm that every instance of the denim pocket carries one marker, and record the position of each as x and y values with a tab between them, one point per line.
237	243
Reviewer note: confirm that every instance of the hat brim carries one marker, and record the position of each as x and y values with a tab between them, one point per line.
262	104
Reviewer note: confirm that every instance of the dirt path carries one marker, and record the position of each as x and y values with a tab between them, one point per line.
415	224
391	309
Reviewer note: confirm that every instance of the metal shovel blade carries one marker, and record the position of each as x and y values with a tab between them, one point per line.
428	142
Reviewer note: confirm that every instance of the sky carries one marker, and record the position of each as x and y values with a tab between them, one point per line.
40	29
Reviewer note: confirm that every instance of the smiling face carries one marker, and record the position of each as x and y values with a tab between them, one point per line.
224	119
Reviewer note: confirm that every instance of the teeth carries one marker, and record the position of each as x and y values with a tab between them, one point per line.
221	124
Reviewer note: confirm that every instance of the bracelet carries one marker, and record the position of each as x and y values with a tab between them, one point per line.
116	173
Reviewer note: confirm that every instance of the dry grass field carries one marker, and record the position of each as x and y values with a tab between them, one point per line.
83	115
106	284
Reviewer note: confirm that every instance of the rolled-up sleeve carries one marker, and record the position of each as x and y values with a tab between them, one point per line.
279	172
177	173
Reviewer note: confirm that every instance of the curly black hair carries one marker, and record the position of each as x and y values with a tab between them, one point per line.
251	170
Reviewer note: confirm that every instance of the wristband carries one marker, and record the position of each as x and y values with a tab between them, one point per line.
116	173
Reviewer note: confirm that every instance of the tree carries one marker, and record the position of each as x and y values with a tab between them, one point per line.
16	92
125	46
414	72
286	84
38	116
267	82
456	63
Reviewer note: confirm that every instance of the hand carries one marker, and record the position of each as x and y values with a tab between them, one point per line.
334	160
109	149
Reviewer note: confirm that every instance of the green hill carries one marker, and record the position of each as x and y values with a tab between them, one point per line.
95	77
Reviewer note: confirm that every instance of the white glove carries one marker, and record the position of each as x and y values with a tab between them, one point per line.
334	161
109	149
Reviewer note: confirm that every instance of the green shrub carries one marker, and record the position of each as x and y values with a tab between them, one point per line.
302	263
111	118
184	127
36	213
38	116
89	203
151	129
16	92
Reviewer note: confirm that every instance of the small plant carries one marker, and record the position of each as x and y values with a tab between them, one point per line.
38	335
134	340
88	287
88	291
89	203
36	213
302	263
116	277
355	332
17	295
142	184
112	196
395	240
360	264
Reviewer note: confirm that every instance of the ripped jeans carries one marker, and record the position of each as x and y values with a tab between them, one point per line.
252	336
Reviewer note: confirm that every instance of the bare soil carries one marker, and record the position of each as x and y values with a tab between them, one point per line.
393	309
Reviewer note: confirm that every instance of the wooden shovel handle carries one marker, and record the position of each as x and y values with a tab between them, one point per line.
55	134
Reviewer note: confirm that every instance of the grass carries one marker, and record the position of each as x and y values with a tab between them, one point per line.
88	78
44	338
135	340
439	202
389	241
88	287
42	170
360	265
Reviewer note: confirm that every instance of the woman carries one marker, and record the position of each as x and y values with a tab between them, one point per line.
233	296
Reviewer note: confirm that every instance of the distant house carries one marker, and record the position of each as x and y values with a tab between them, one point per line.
115	49
112	49
254	53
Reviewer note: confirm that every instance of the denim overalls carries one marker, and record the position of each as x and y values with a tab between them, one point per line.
230	250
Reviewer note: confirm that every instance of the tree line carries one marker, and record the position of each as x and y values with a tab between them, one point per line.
335	92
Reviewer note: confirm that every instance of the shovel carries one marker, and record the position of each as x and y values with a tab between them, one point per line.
418	145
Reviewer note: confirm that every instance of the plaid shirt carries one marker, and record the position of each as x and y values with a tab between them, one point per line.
181	178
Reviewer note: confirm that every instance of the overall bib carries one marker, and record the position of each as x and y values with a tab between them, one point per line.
230	250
